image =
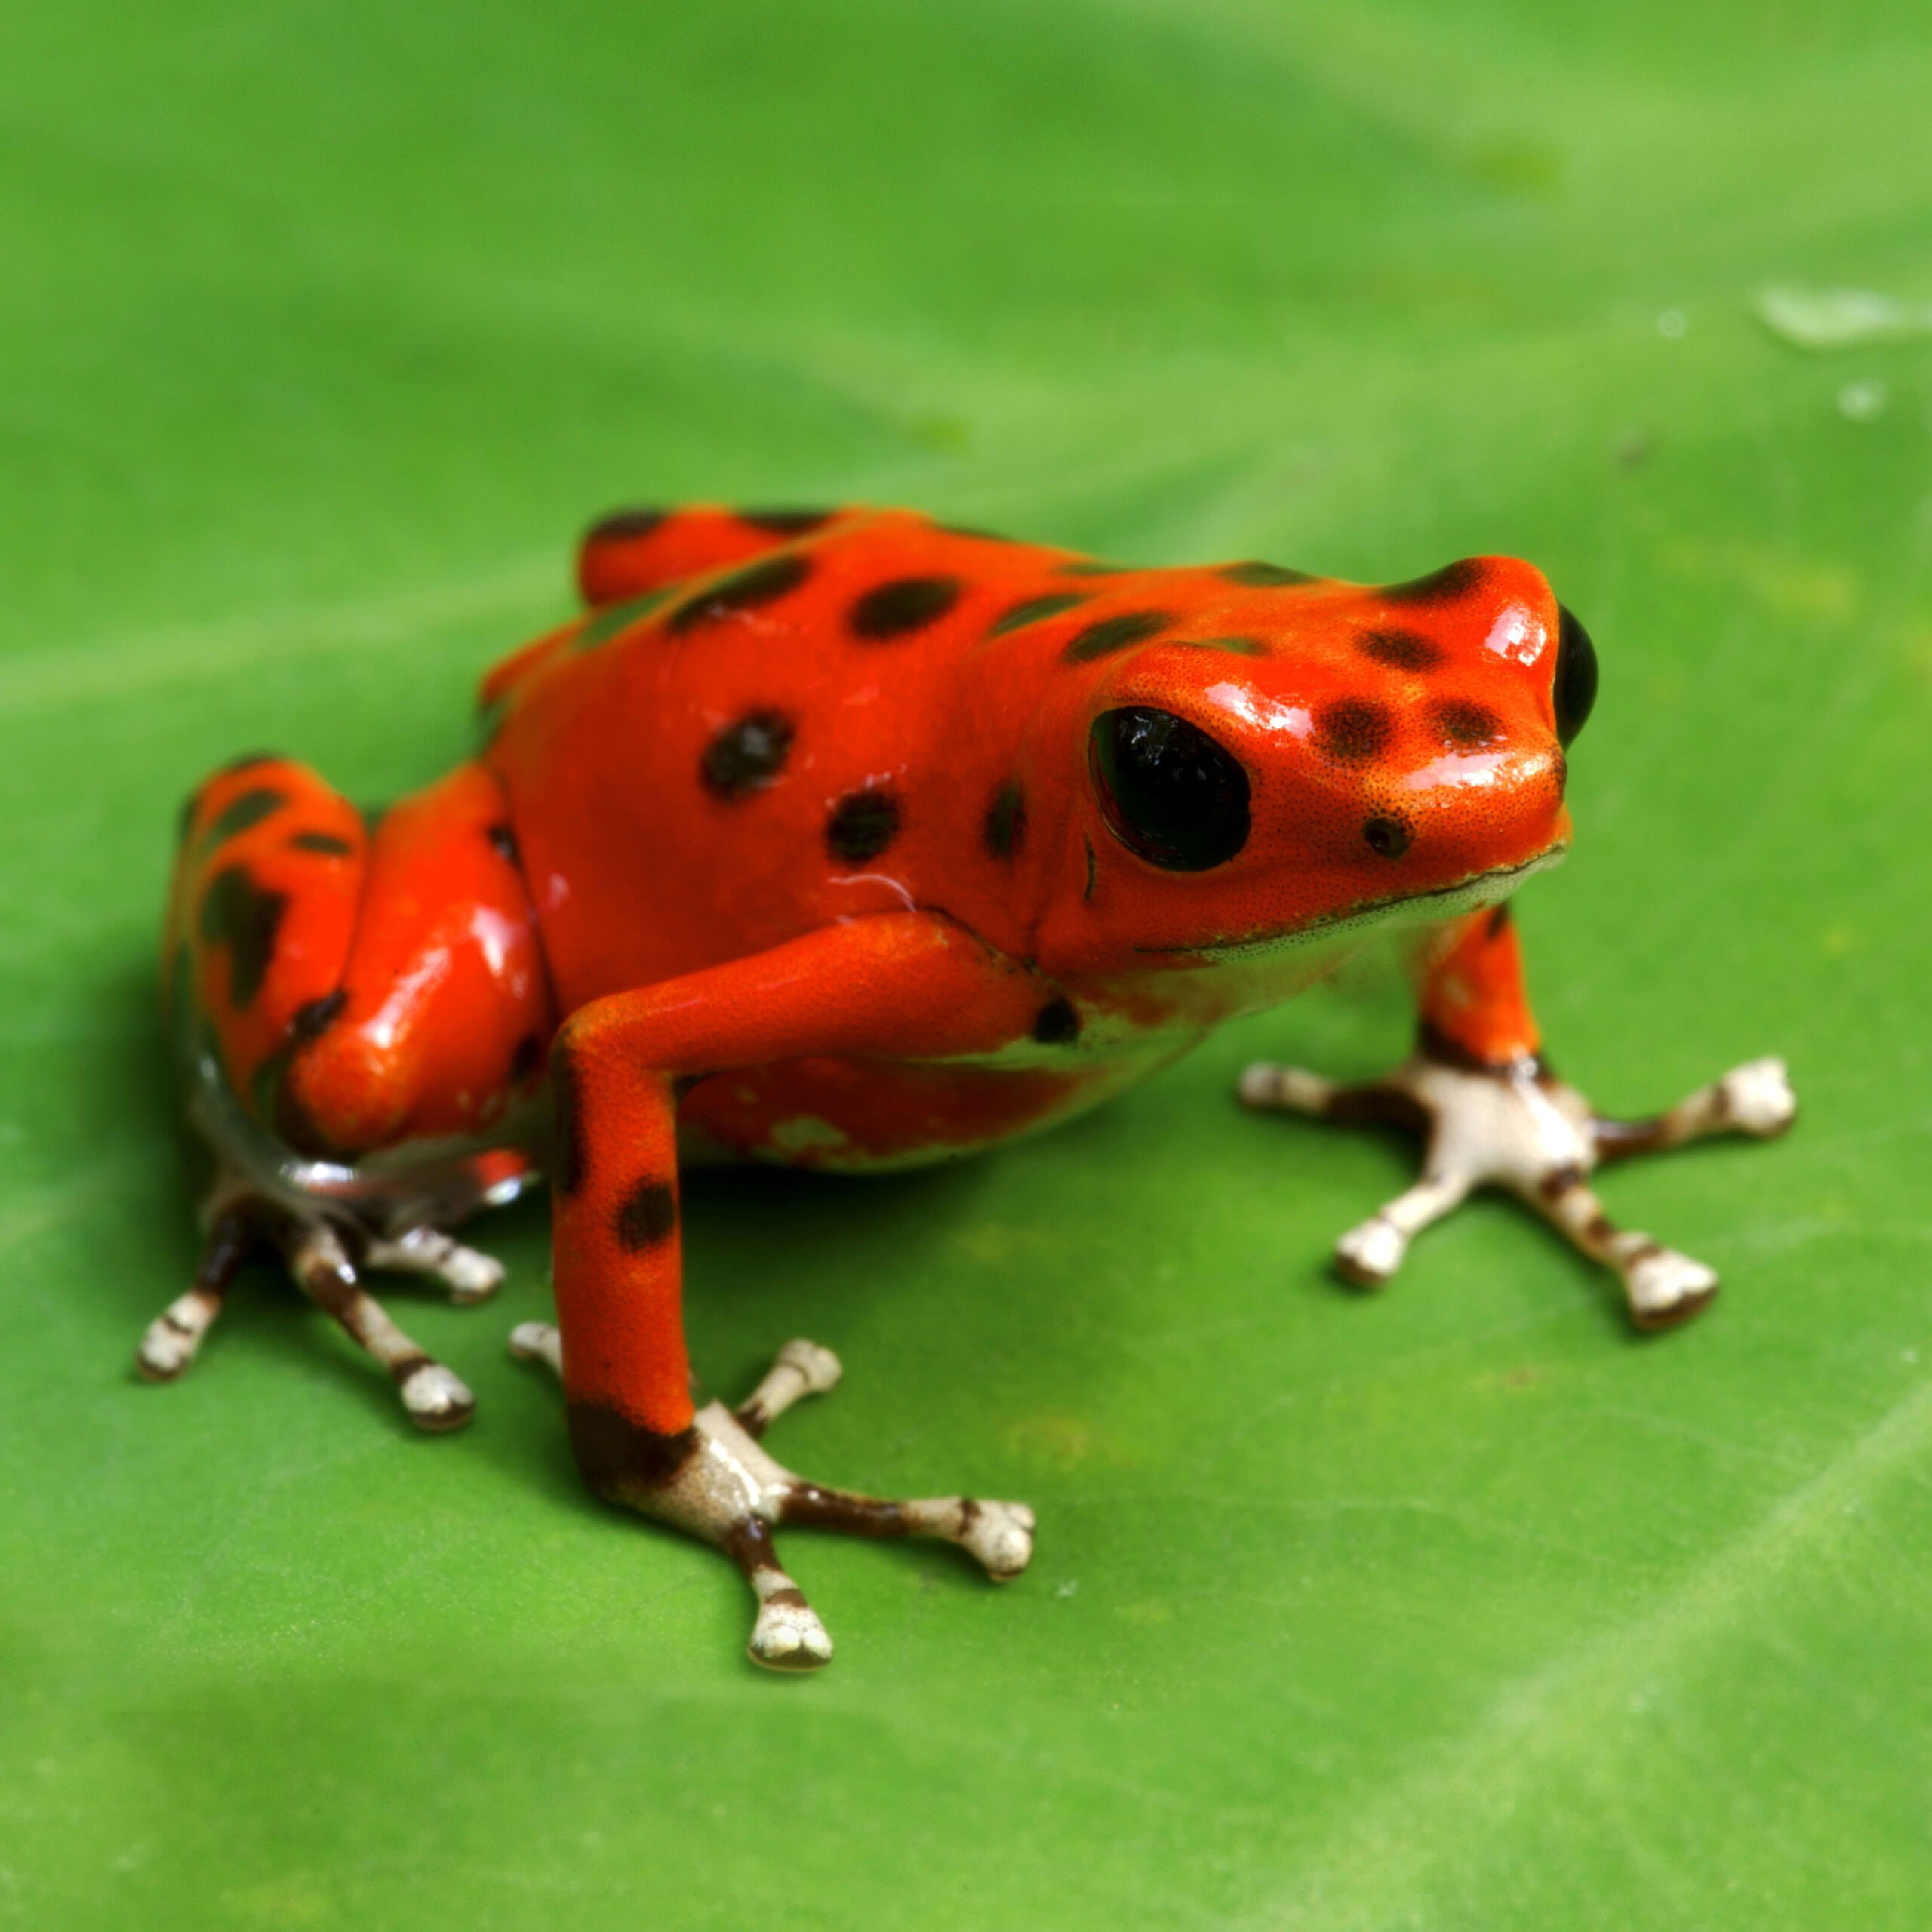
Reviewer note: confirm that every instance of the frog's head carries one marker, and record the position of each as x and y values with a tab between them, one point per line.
1297	757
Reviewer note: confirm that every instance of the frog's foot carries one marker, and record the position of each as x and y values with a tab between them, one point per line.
1513	1126
314	1251
716	1481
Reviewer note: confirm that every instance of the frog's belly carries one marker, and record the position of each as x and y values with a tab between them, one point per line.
861	1116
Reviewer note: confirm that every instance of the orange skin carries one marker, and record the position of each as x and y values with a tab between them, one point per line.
791	848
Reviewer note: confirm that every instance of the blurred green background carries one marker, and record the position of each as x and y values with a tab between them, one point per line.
323	328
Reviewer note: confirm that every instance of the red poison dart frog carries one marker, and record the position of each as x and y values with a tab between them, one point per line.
852	841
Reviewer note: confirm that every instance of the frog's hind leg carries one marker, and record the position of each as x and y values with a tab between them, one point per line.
361	1010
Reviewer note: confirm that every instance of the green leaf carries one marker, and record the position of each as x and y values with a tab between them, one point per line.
325	331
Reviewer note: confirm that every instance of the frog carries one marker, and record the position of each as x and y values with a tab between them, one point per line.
851	840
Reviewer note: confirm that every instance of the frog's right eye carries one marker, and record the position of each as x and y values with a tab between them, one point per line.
1576	683
1170	794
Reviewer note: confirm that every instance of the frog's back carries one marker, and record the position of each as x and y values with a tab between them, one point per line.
768	722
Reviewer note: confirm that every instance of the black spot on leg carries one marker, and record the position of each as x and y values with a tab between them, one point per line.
1465	723
906	605
1090	567
1032	610
1449	585
747	756
248	761
1353	730
238	913
646	1216
313	1018
1056	1024
1116	633
786	522
239	814
1259	576
760	583
567	1098
324	843
862	824
503	838
1499	922
526	1060
1004	831
1401	650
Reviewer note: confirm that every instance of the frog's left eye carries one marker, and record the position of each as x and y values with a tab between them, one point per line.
1170	794
1575	685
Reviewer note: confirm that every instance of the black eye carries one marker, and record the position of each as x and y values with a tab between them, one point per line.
1576	689
1170	794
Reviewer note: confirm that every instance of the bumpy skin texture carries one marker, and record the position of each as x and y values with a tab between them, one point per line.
805	845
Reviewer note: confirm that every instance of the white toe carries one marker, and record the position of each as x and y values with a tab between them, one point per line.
436	1398
1001	1535
820	1367
164	1350
789	1636
1759	1096
472	1277
1666	1285
1368	1255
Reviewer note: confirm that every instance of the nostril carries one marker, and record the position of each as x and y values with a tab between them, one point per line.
1388	838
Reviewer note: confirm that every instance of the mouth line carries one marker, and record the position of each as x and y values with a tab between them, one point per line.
1477	884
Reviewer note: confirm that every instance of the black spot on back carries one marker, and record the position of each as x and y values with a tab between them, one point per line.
786	522
504	839
620	524
1258	576
1090	567
248	761
759	583
313	1018
862	824
567	1099
646	1216
1447	586
1464	722
747	756
1353	730
238	913
1401	650
1115	633
326	843
250	809
1057	1024
906	605
974	532
1031	609
1005	829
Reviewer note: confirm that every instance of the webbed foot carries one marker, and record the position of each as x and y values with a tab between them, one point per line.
1515	1126
716	1481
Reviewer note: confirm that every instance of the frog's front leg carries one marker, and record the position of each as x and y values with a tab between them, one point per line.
911	986
1491	1114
